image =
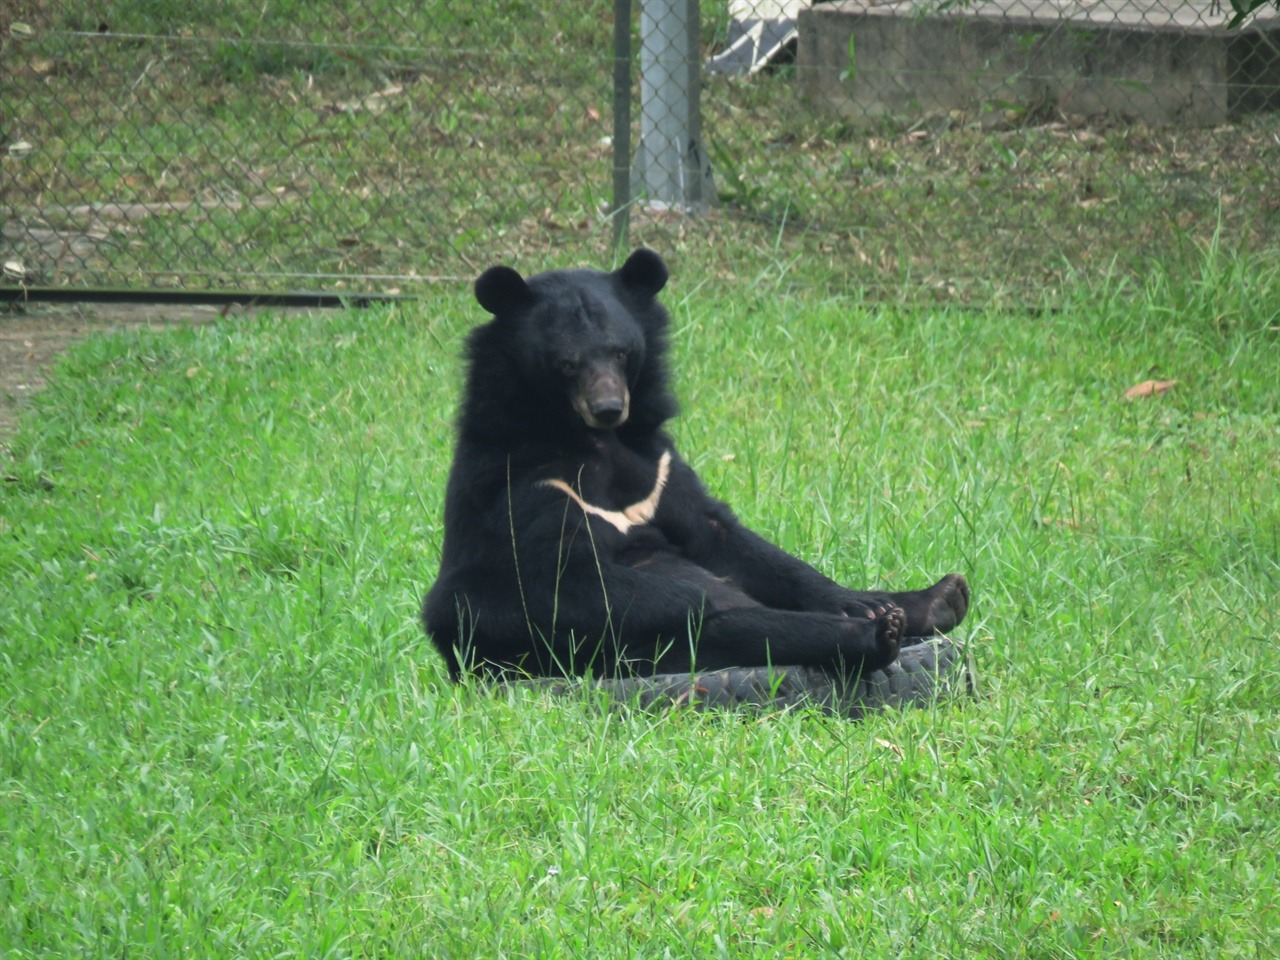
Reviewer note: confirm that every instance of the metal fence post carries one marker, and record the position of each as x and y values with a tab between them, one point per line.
621	210
671	164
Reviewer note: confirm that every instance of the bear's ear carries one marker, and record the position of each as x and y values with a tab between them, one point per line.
644	273
501	290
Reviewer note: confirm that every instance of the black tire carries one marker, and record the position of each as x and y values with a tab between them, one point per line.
925	671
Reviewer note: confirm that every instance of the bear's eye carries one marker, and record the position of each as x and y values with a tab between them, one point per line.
621	356
568	367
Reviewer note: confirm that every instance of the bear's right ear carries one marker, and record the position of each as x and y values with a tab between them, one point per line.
501	290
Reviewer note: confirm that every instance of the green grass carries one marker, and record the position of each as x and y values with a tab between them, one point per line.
222	733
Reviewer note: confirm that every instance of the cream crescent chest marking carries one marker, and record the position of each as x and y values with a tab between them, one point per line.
639	513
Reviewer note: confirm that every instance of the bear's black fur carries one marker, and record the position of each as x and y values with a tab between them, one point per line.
576	539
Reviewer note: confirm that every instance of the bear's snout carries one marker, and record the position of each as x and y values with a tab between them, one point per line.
608	412
603	400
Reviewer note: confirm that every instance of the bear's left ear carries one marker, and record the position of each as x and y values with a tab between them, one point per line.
644	273
501	290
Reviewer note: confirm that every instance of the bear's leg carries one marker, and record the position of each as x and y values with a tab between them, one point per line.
760	636
936	609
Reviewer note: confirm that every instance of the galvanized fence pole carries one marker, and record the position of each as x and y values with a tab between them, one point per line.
621	211
671	163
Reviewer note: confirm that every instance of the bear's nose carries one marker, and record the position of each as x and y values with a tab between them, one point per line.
607	411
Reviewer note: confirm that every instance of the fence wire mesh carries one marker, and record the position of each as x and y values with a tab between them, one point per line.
1001	144
234	143
965	148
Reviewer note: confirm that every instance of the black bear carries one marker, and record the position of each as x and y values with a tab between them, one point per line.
575	538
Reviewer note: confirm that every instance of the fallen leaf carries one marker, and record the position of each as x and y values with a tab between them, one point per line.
374	103
1148	388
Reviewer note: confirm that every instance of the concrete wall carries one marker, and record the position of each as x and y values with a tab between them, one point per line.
909	63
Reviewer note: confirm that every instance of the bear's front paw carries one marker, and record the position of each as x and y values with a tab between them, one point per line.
890	626
866	609
888	623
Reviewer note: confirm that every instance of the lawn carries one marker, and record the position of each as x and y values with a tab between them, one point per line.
222	732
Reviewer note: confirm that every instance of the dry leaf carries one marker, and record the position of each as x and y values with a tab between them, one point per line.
889	746
374	103
1148	388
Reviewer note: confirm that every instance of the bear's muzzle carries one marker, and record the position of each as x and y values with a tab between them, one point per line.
603	400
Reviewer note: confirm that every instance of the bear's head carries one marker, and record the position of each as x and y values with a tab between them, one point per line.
573	345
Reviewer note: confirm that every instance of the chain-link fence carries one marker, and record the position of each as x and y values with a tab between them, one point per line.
289	144
964	147
980	145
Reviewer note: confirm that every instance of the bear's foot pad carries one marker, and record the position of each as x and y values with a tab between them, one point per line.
926	671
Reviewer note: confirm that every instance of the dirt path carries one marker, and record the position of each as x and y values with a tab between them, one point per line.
31	340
